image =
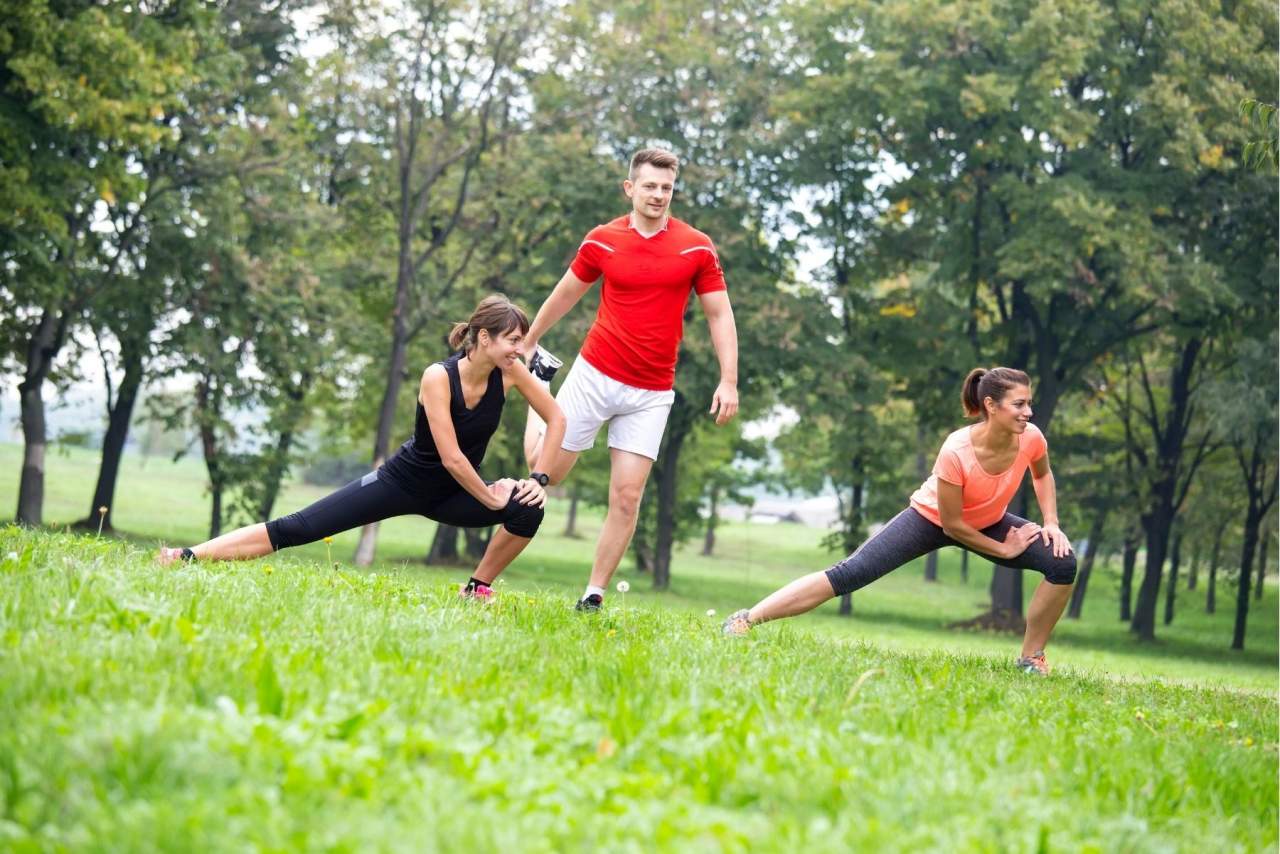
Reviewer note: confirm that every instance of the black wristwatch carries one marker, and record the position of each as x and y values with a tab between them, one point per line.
541	478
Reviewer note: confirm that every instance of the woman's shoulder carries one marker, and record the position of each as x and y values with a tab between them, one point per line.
1034	441
958	440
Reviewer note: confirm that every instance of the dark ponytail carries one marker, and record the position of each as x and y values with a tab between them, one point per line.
994	383
459	335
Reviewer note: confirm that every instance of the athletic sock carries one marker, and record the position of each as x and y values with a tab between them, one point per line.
473	583
188	555
592	590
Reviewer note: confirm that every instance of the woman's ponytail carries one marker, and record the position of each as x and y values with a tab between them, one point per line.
459	335
969	397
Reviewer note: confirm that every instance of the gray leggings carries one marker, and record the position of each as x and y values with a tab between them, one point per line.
909	535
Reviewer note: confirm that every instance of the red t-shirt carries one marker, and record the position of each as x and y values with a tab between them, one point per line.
647	282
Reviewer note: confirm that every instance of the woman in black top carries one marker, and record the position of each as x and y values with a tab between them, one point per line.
434	474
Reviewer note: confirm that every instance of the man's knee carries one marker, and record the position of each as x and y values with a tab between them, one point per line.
625	499
522	520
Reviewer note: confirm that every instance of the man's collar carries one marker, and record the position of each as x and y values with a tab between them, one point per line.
631	224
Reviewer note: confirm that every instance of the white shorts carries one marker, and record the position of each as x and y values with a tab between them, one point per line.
636	416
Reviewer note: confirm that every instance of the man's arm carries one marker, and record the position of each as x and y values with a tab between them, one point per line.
565	296
724	337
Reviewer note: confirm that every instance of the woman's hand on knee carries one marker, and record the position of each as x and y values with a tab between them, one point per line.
530	492
501	490
1054	538
1018	540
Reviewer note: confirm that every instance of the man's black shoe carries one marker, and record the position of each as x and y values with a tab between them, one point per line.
591	603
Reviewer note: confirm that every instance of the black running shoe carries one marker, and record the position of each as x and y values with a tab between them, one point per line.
543	365
591	603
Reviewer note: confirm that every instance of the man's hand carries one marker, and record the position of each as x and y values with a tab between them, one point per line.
724	403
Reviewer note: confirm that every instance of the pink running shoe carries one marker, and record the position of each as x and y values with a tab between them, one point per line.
1035	663
480	593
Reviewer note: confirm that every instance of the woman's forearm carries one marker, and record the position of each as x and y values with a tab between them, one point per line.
967	535
1047	497
469	479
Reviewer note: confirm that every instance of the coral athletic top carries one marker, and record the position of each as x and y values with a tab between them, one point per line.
647	282
986	496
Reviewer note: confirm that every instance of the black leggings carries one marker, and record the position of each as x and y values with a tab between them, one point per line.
909	535
372	498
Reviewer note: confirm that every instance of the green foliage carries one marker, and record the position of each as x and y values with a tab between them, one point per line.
1260	153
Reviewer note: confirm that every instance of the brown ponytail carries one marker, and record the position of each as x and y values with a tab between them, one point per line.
496	315
458	335
994	383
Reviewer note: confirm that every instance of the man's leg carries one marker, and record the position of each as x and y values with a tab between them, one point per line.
627	475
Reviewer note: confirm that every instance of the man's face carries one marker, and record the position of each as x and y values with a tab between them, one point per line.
650	191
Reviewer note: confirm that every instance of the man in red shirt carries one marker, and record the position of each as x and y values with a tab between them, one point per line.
626	369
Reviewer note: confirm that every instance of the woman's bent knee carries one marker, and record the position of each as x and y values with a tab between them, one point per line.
1062	570
522	520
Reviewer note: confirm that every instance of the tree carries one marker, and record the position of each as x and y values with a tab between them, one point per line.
84	92
1050	163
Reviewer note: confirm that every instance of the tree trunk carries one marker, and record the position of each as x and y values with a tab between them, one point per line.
1264	552
477	540
1211	596
1197	558
1171	592
444	547
277	465
846	604
1156	524
119	416
964	566
571	524
208	405
678	428
43	347
1250	545
1075	608
1210	600
395	376
1128	562
709	541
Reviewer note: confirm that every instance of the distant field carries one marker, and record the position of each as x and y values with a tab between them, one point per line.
282	705
162	501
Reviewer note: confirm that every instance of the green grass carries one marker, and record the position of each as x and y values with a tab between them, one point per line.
161	501
280	705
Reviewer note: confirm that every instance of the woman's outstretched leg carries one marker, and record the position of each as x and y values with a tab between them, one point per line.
800	596
906	537
369	499
248	542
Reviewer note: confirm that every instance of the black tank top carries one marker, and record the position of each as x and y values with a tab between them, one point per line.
416	467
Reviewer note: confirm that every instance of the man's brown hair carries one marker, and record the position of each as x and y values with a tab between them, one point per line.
659	158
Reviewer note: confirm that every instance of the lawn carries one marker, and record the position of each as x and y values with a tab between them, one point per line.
283	705
159	501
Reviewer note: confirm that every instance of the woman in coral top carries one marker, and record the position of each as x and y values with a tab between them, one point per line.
963	503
